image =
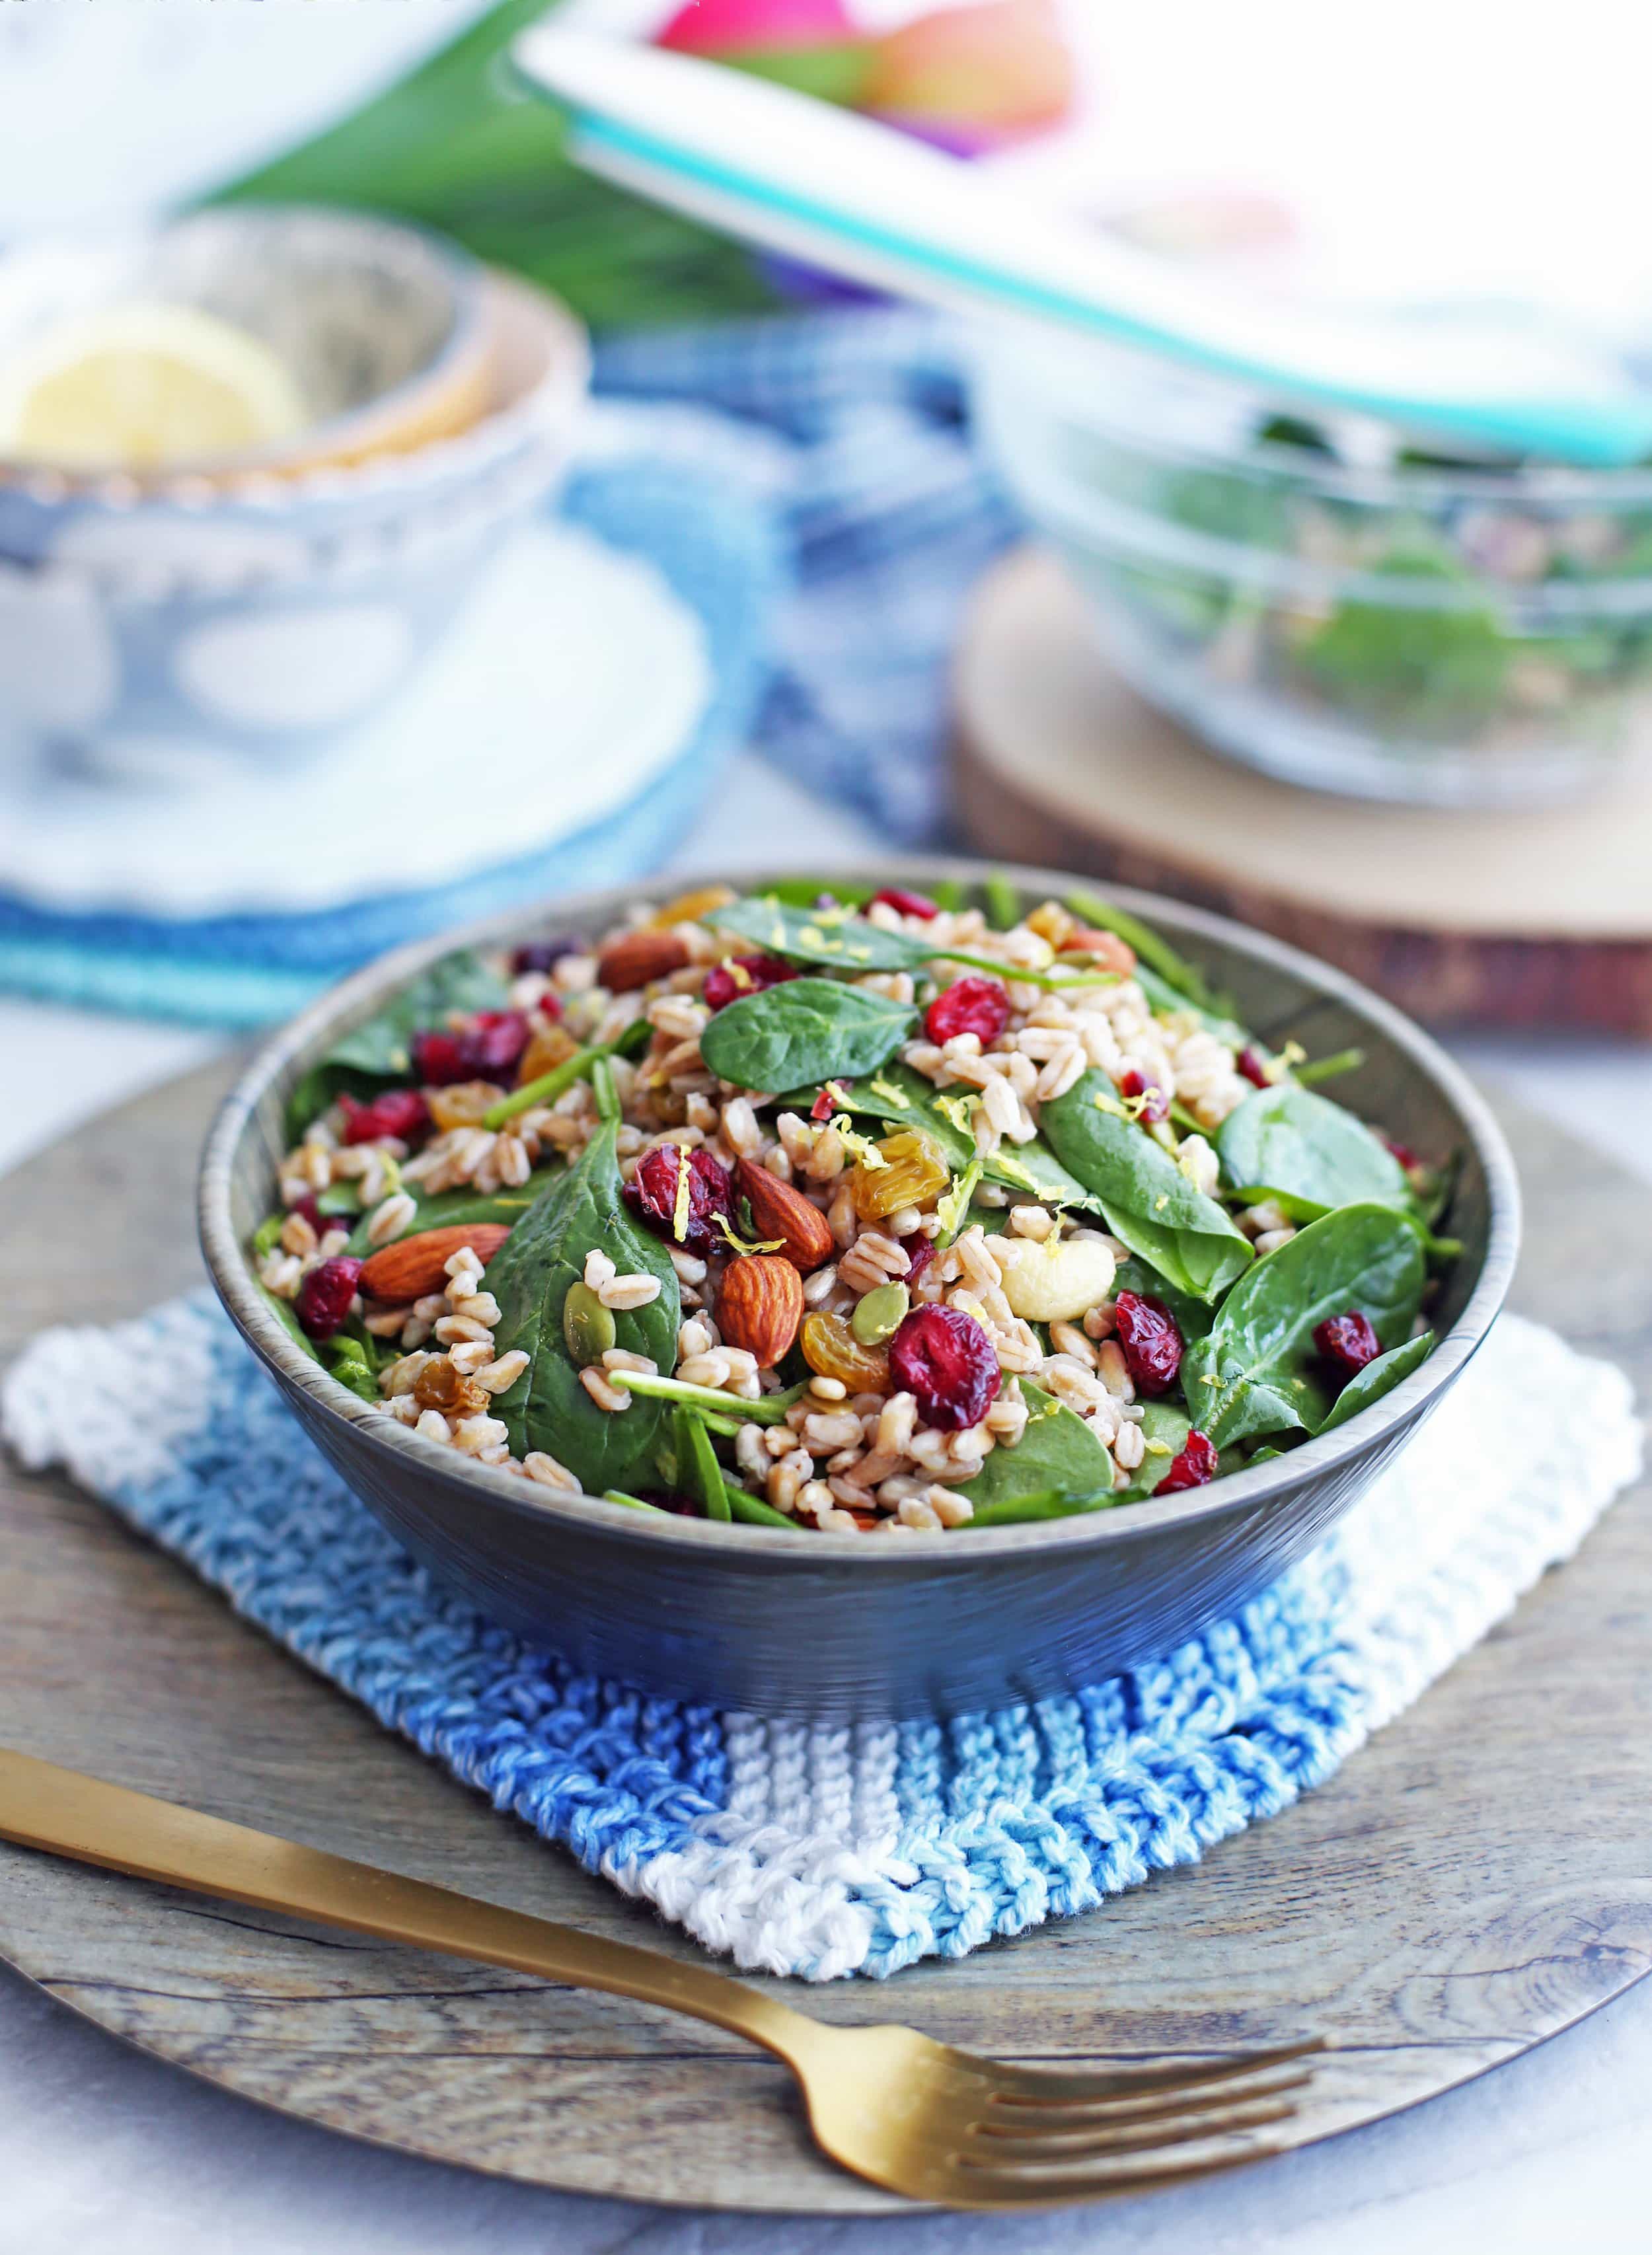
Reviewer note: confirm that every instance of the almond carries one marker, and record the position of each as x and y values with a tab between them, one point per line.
760	1306
779	1210
638	957
413	1265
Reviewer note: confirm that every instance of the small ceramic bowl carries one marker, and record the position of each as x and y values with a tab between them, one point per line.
263	612
835	1626
381	327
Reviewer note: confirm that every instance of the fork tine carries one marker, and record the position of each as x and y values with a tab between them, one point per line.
1073	2147
1032	2086
1020	2123
1052	2189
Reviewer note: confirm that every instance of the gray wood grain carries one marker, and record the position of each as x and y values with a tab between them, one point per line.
1474	1880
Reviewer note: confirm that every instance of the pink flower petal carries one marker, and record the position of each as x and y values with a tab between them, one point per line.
715	27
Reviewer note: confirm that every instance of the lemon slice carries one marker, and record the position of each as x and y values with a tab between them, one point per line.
142	386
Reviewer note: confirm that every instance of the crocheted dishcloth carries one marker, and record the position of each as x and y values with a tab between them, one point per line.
823	1851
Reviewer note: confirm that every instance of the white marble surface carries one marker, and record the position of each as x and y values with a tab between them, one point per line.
103	2148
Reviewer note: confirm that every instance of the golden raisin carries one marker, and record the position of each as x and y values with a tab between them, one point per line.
689	908
1051	922
831	1348
463	1104
438	1386
549	1046
913	1173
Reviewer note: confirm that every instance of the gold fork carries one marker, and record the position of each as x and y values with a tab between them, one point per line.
917	2117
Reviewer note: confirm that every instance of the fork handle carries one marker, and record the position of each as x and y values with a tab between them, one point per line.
69	1814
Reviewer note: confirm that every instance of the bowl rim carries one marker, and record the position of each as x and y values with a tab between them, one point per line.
233	1279
1056	373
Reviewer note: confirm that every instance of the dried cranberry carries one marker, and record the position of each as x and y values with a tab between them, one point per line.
325	1296
905	903
743	974
544	954
1152	1344
549	1005
307	1205
399	1112
920	1251
1348	1341
1195	1467
1253	1065
492	1046
1403	1153
487	1050
944	1359
827	1101
1154	1103
973	1005
653	1190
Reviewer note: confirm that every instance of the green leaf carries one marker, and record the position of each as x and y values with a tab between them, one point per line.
529	1276
1258	1371
1057	1466
1408	665
699	1474
1307	1153
1003	903
1165	1427
459	144
903	1097
377	1053
1147	1199
837	938
808	1029
449	1209
1379	1378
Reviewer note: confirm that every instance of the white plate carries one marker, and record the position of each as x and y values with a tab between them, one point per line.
575	676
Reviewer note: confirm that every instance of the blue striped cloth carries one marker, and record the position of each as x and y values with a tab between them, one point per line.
831	446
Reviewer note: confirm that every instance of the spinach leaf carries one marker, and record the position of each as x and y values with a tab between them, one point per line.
903	1097
838	939
1148	1201
1165	1427
1258	1371
377	1051
834	937
1307	1153
1379	1378
529	1276
1057	1458
450	1208
808	1029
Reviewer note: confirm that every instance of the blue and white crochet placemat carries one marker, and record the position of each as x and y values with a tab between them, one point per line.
817	1851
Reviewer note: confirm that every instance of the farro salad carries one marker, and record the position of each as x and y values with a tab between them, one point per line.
857	1210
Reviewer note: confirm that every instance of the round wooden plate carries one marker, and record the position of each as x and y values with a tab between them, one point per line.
1532	917
1435	1908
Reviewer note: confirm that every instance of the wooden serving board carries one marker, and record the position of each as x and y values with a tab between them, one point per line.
1532	917
1434	1909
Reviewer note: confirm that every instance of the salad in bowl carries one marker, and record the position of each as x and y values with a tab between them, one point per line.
847	1210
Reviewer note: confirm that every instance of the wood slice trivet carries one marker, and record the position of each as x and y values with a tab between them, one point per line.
1474	1880
1519	918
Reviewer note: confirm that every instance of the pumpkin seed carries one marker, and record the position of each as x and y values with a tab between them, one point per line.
586	1325
878	1316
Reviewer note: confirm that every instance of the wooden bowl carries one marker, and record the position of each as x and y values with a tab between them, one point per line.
835	1626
